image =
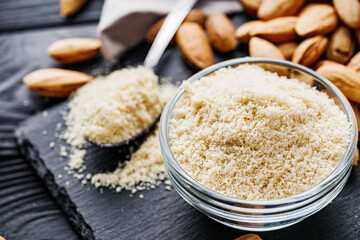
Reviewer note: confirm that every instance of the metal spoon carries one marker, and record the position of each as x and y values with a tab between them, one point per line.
166	33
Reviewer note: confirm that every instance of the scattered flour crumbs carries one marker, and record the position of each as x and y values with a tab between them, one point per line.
247	133
112	109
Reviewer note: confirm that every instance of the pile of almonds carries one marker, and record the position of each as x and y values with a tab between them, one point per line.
318	34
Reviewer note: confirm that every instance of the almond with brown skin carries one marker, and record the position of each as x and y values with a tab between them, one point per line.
69	7
356	157
355	62
55	82
242	33
73	50
249	237
316	18
195	15
341	46
349	12
194	45
221	32
154	30
270	9
277	30
262	48
324	62
287	49
319	1
310	50
251	6
345	78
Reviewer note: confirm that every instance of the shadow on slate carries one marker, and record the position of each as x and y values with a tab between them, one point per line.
160	214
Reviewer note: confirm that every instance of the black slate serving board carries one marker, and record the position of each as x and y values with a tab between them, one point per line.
160	214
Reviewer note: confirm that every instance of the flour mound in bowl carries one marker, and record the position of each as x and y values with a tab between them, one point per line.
249	134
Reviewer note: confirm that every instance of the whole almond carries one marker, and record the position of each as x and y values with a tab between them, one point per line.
277	30
324	62
310	50
195	15
221	32
194	45
69	7
319	1
151	33
262	48
249	237
270	9
242	33
345	78
316	18
349	12
355	62
251	6
356	157
73	50
287	49
55	82
341	46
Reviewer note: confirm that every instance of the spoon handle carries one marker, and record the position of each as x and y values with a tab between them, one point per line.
167	31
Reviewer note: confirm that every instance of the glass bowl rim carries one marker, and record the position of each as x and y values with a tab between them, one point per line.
344	164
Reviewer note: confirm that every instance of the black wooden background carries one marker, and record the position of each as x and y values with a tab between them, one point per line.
27	209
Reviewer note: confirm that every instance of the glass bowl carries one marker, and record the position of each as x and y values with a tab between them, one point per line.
262	215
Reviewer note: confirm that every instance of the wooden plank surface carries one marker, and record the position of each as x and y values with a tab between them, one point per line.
26	207
30	14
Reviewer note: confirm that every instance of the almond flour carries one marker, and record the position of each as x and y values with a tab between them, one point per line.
145	169
249	134
141	172
113	108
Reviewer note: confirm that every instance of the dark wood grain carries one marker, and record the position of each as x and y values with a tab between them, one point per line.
25	204
26	14
26	207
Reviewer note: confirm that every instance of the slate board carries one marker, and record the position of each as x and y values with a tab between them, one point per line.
161	214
